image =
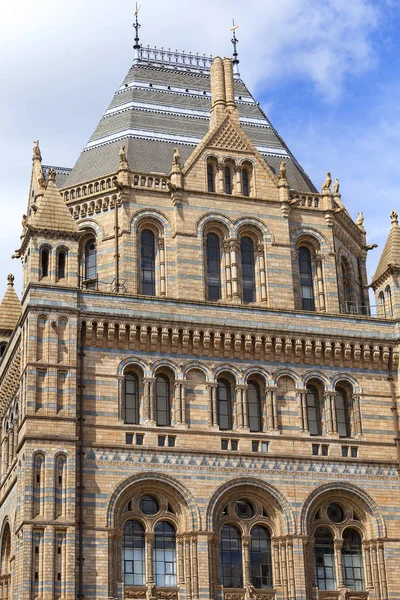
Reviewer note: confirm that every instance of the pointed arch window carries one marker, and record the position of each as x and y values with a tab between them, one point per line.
147	263
131	408
228	179
90	260
248	270
352	561
382	304
61	264
313	412
260	558
164	555
306	279
324	559
44	262
213	256
224	404
389	305
60	486
38	484
210	177
231	562
163	401
342	416
133	554
245	182
254	406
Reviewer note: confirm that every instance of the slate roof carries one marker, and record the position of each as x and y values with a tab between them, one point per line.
10	307
162	106
391	251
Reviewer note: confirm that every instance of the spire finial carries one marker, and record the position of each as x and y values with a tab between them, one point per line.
10	280
137	26
235	60
395	217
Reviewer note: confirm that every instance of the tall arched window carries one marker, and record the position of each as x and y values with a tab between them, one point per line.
44	262
346	281
131	408
224	405
231	557
260	558
60	486
61	264
62	341
210	177
41	333
389	305
313	413
352	561
245	182
90	261
381	304
248	270
5	581
133	554
164	555
342	416
228	180
306	279
213	267
163	401
147	263
38	484
324	559
254	406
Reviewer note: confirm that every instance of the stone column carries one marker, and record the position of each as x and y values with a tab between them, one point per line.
263	274
188	569
276	563
357	414
177	403
238	177
161	250
292	585
238	412
368	570
211	404
338	545
282	560
233	248
375	571
245	407
246	541
180	561
382	570
195	569
272	409
320	282
220	178
300	415
49	562
228	272
149	537
328	412
152	400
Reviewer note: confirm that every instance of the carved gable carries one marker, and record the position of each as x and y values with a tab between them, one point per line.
228	138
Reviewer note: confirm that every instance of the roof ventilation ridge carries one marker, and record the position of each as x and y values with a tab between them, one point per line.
175	58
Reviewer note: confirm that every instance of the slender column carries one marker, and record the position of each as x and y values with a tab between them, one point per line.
368	574
245	407
292	586
146	399
188	570
161	249
6	455
183	402
233	247
304	410
282	559
382	571
357	414
275	409
220	177
328	412
269	409
149	557
152	383
300	417
49	562
228	272
238	177
320	282
195	569
338	545
181	569
246	539
177	403
214	404
333	413
263	275
375	571
239	407
276	562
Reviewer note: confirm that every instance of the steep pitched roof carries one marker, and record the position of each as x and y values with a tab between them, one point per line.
52	213
10	307
164	103
391	252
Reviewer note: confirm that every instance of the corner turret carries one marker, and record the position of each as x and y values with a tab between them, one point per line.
10	311
386	281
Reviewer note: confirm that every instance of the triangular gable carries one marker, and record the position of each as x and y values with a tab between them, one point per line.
52	213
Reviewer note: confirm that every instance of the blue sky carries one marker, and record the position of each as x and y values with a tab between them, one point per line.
325	72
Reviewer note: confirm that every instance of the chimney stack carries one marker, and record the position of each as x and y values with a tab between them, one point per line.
222	91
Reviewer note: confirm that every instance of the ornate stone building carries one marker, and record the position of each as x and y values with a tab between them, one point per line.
196	401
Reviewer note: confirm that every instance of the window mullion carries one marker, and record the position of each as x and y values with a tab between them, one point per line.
149	545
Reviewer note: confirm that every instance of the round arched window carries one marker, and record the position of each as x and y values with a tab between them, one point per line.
149	505
335	513
244	509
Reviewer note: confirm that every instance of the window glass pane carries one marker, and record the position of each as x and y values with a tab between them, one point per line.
260	558
133	565
163	407
341	414
245	182
210	178
228	180
213	267
148	263
313	415
131	399
324	559
164	555
231	558
61	264
248	271
90	259
306	282
224	404
352	561
45	262
254	407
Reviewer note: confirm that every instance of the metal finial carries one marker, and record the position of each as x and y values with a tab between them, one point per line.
10	280
137	26
394	216
235	41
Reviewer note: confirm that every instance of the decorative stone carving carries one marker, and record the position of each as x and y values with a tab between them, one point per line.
177	158
36	150
282	170
336	186
228	138
326	186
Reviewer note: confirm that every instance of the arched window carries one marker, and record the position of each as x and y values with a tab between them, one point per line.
254	406
131	408
60	486
248	270
389	305
352	561
210	177
90	260
62	342
61	264
38	484
213	267
133	554
163	401
5	581
382	304
44	262
224	405
228	180
245	182
147	263
324	559
313	413
306	280
260	558
41	332
346	281
342	416
164	555
231	558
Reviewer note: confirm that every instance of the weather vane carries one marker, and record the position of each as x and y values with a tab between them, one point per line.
235	42
137	26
